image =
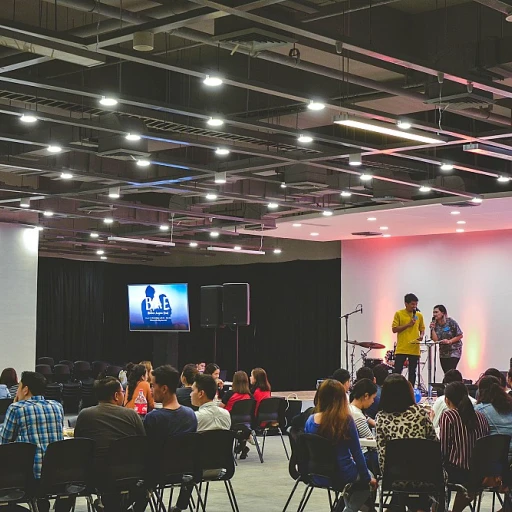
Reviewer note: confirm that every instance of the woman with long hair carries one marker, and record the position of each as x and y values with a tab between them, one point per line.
214	370
137	383
260	386
447	332
333	421
10	379
496	405
461	427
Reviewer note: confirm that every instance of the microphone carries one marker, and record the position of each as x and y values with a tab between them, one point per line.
362	313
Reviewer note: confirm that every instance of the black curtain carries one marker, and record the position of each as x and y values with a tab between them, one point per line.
295	308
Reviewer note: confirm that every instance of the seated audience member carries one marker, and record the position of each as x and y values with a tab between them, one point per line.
461	427
4	392
365	373
343	376
260	386
332	420
209	415
239	391
171	420
400	417
137	383
201	367
214	370
380	372
10	379
187	379
105	423
496	405
509	381
440	404
149	369
363	395
33	419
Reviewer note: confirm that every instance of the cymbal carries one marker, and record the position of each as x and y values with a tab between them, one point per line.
352	342
371	344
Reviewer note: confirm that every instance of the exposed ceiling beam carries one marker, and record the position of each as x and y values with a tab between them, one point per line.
342	9
497	5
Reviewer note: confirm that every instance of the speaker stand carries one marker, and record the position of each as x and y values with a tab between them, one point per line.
215	344
236	347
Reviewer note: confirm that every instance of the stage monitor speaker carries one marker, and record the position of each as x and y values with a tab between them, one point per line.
235	309
211	306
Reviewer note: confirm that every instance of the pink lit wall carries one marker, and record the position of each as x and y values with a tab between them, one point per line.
469	273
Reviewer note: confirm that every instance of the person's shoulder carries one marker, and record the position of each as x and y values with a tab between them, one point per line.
187	411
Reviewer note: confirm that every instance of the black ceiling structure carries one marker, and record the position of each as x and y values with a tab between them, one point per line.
309	87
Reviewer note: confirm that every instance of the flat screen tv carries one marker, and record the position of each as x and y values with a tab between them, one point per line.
158	307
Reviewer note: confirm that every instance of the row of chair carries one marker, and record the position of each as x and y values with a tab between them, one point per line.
66	371
68	472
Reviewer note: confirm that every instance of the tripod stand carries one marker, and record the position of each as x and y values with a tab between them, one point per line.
359	309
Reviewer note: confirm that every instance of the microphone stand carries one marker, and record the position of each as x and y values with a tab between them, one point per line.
359	309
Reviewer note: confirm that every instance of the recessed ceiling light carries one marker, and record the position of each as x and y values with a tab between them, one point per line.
94	235
277	250
305	138
222	151
355	159
108	101
296	225
459	230
192	244
345	193
272	206
108	220
28	118
371	218
143	163
215	121
214	234
283	184
211	197
461	222
212	81
316	105
48	213
386	235
66	176
25	202
100	252
164	227
446	167
114	192
39	228
424	188
504	179
383	228
455	212
477	200
403	125
53	148
327	213
132	137
314	233
365	176
237	248
220	178
103	257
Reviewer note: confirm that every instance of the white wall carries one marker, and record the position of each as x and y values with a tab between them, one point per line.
18	296
469	273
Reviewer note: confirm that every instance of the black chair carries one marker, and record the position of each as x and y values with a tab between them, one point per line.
53	392
67	470
4	405
294	464
69	363
413	468
98	368
113	371
217	462
46	370
17	473
61	373
71	393
46	360
82	370
242	417
270	417
88	395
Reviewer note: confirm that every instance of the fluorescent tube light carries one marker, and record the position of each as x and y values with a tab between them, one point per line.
228	249
482	149
143	241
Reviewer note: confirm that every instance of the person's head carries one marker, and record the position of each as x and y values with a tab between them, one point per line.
31	384
381	372
259	379
188	375
397	394
213	370
150	292
204	389
439	313
9	377
411	302
109	390
364	392
456	397
201	367
342	376
452	376
241	383
490	391
149	369
365	373
136	375
496	373
165	380
332	403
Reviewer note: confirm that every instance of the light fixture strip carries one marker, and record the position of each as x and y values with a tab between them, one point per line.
143	241
228	249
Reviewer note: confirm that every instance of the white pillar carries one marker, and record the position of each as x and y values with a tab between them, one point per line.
18	296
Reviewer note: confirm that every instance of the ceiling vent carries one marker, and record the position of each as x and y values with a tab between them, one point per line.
462	204
457	96
367	233
254	39
96	209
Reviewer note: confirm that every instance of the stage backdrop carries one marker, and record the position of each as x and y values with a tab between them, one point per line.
469	273
294	332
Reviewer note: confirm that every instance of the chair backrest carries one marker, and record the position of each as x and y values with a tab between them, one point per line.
489	458
44	369
53	392
67	467
242	412
68	363
180	456
271	410
46	360
4	404
16	466
61	373
318	461
113	371
217	451
413	461
82	370
294	435
98	367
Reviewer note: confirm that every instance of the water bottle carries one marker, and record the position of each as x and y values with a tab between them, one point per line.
141	404
417	395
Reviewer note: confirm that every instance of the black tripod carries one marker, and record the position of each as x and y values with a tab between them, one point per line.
359	309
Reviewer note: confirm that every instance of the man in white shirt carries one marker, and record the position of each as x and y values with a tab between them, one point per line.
209	416
440	405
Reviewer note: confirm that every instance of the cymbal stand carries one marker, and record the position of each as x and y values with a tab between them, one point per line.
352	361
359	309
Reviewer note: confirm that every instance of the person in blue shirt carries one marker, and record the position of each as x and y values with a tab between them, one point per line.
333	421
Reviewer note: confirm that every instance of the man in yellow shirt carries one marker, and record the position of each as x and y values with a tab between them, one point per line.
409	325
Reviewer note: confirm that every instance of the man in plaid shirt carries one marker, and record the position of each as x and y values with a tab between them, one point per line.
32	419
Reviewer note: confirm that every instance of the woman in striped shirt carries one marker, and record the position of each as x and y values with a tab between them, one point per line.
461	427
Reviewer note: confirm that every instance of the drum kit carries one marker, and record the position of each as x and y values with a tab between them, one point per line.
370	362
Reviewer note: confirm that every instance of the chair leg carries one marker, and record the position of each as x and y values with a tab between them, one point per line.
263	445
299	508
257	444
330	499
291	494
284	444
307	499
231	495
